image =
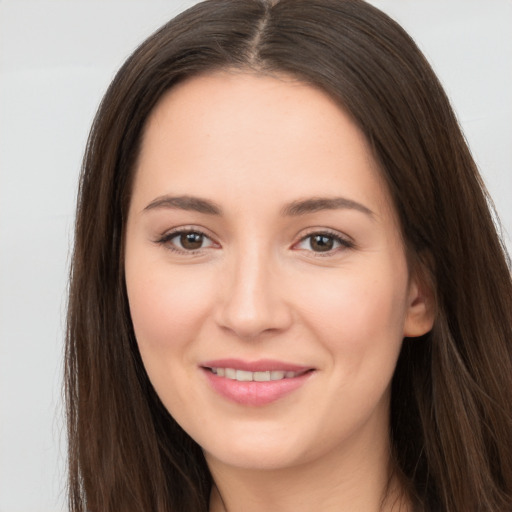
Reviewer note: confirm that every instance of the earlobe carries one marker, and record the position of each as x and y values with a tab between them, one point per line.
421	309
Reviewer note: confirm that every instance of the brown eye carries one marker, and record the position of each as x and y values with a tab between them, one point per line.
186	241
191	240
324	242
321	243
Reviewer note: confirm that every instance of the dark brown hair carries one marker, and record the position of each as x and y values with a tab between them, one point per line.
451	411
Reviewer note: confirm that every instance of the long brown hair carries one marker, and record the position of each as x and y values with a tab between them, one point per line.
451	411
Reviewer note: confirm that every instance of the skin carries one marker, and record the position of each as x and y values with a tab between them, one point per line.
259	287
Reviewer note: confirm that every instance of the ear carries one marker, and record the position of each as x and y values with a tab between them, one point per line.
421	307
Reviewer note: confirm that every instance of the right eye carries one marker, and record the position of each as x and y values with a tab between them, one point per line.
186	240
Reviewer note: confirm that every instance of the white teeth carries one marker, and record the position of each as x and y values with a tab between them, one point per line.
261	376
229	373
245	376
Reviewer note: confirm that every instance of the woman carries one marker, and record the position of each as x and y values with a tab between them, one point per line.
287	290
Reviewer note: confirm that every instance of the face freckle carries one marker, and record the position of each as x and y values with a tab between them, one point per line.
266	276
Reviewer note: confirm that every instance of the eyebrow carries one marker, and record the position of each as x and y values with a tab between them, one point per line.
293	209
315	204
189	203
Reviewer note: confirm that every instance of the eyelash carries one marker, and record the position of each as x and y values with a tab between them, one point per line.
167	238
342	242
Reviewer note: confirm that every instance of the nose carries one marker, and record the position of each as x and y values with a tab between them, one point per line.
252	300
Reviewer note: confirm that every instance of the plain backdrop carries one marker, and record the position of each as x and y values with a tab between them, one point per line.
56	59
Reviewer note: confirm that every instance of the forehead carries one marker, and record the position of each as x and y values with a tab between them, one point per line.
226	100
235	105
246	130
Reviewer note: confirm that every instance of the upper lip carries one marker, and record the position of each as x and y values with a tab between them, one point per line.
261	365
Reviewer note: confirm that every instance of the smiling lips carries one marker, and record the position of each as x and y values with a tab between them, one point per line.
246	376
256	384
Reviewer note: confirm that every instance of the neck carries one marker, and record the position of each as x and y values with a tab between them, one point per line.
334	483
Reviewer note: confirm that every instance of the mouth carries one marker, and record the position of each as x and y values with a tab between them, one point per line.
255	383
261	376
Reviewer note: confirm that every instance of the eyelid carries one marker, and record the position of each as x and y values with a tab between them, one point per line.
165	239
344	241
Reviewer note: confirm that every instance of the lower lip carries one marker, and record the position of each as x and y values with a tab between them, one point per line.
255	393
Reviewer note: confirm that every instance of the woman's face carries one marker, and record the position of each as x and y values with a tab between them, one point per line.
266	275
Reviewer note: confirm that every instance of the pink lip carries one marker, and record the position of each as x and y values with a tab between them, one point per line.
255	393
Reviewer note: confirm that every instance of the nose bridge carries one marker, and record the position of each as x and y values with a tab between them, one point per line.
252	300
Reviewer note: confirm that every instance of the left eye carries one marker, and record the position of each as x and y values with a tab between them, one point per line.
322	242
188	240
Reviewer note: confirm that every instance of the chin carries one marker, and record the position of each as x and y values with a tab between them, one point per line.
259	451
260	459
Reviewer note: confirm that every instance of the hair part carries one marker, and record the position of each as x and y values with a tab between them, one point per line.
451	406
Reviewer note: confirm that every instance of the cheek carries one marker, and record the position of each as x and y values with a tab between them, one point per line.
359	323
359	309
167	310
168	313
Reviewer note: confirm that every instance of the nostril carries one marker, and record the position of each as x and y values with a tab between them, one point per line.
253	319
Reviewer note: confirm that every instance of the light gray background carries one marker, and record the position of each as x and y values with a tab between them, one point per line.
56	59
